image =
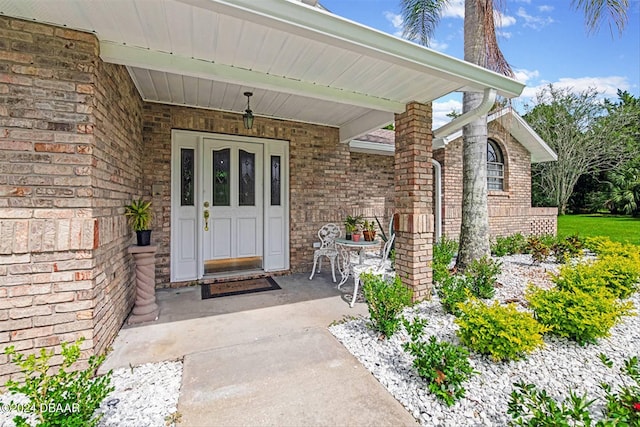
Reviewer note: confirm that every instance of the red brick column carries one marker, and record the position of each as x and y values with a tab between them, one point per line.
413	220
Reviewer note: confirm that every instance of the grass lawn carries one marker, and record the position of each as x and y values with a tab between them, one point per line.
617	228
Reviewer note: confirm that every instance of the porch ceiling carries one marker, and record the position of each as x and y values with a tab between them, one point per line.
302	63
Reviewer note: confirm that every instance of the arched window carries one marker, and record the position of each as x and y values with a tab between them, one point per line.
495	167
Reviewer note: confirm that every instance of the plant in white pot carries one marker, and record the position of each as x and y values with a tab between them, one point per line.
140	215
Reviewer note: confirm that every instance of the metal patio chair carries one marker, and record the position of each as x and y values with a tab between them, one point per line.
380	265
328	234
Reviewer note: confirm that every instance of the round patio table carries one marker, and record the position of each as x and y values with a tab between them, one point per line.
344	265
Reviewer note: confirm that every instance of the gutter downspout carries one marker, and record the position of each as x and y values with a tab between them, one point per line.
456	124
438	202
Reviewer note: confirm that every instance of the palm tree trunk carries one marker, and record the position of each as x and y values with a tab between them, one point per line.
474	230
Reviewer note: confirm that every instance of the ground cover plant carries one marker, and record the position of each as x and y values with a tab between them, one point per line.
530	406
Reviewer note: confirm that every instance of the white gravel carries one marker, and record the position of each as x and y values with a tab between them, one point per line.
560	366
144	396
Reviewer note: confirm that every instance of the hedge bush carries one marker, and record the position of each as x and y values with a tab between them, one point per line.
576	314
618	274
502	332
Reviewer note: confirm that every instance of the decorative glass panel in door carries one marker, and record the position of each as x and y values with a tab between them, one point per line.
234	238
221	182
247	179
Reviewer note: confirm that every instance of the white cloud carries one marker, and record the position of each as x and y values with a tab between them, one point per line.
442	108
502	20
545	8
535	22
396	21
524	76
437	45
454	9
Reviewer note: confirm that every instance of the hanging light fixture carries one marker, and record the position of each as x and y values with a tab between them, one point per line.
247	117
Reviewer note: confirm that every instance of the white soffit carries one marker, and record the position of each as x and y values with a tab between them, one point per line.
302	63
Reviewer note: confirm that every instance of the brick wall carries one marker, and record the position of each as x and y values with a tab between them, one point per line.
117	177
413	186
510	210
63	129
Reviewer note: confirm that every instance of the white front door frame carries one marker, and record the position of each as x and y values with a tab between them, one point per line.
187	214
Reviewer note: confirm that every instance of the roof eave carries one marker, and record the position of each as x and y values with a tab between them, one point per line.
306	19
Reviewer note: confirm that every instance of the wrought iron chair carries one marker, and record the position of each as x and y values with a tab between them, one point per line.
372	264
328	234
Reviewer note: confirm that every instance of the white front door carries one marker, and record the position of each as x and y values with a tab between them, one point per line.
233	196
229	204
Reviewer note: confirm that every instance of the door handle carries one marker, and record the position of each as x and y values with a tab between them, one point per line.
206	220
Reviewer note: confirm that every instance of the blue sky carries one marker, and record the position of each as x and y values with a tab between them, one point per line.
545	41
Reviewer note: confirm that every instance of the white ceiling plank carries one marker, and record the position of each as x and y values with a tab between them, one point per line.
152	20
364	124
175	84
203	94
180	25
136	57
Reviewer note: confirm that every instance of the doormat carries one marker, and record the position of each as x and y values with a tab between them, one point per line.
239	287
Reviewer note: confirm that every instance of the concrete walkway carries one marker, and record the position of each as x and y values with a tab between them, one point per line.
264	359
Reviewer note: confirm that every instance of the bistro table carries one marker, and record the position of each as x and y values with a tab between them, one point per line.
344	248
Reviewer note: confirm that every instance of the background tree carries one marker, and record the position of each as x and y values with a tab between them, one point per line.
481	47
589	137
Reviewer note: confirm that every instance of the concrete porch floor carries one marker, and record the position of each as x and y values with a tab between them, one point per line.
263	359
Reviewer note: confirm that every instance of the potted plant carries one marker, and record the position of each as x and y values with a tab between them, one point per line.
140	215
369	231
351	224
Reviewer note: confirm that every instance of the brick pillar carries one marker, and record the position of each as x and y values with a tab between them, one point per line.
413	219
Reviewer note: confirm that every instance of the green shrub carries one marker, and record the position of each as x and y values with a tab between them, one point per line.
481	277
443	253
618	274
67	399
443	365
385	301
452	291
514	244
575	314
604	247
502	332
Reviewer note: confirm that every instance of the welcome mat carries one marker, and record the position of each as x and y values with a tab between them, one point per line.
239	287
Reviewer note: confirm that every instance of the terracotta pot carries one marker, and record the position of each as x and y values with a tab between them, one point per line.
369	235
356	237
